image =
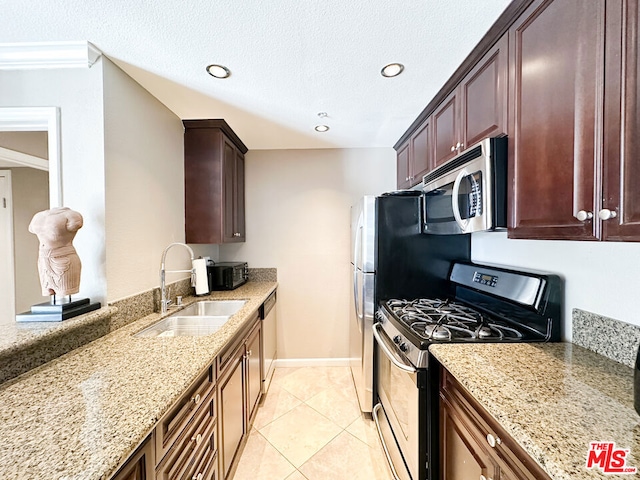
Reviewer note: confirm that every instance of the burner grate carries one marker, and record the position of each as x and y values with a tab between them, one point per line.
445	320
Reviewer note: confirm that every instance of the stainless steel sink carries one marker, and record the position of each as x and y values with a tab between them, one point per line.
182	326
200	318
212	307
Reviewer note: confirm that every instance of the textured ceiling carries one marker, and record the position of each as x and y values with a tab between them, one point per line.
290	59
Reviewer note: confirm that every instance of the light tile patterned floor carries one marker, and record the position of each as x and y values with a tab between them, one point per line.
309	427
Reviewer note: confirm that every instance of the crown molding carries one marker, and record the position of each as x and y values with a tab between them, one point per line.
17	56
18	159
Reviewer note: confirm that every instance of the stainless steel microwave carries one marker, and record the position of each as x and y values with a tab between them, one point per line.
469	192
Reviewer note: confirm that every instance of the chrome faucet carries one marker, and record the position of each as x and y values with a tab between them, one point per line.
164	303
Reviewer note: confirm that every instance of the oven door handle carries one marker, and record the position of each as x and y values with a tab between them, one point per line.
455	206
389	354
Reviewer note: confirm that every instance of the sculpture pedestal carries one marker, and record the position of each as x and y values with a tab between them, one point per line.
57	310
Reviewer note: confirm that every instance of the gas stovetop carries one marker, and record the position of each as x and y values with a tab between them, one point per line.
446	320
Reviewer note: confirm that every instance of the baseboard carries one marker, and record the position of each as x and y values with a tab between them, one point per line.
311	362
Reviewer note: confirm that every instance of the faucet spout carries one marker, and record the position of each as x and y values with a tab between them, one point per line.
164	302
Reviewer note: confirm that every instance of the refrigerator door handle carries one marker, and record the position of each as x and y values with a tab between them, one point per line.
356	290
357	244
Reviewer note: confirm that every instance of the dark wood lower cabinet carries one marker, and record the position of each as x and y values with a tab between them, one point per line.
232	410
202	434
473	446
140	465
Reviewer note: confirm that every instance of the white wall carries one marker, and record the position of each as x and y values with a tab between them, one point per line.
298	216
144	162
31	143
600	277
30	191
78	93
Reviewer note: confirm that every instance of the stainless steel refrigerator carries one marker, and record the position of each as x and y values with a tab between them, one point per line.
391	258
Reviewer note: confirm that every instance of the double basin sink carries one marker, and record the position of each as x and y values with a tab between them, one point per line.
200	318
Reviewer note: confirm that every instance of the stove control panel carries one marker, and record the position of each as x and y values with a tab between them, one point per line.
485	279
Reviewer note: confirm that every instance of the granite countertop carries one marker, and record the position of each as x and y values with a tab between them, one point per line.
553	399
81	415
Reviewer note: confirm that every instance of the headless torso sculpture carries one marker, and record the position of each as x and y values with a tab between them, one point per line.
58	263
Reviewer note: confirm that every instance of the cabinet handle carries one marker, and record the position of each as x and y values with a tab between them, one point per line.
606	214
197	439
237	234
196	399
583	215
493	441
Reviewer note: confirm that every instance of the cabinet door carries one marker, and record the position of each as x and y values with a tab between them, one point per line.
238	214
228	208
445	130
621	174
462	456
556	85
421	153
483	95
141	464
231	416
254	370
403	173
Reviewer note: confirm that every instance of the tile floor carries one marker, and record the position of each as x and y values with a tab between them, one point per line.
310	427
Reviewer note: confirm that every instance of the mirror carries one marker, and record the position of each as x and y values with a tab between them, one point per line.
25	188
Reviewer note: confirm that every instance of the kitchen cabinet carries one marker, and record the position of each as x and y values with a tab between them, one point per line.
186	436
475	109
621	173
140	465
473	445
214	183
555	129
239	394
415	158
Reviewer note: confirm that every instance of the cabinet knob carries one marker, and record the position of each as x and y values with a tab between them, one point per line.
606	214
583	215
196	399
249	353
199	476
453	148
493	441
482	477
237	234
197	439
459	145
406	179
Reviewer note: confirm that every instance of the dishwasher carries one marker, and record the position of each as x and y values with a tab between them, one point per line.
268	315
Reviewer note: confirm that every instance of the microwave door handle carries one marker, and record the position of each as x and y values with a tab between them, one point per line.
463	224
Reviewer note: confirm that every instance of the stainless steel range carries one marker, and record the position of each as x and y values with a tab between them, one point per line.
486	304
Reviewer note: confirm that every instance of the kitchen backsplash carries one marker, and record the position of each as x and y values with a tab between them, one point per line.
263	275
609	337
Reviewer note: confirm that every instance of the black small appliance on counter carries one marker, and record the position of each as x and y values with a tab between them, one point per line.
227	275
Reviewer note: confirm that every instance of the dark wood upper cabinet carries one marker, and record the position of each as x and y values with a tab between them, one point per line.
483	96
445	130
214	183
557	77
415	157
621	174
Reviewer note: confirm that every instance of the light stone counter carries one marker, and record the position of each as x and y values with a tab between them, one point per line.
553	399
81	415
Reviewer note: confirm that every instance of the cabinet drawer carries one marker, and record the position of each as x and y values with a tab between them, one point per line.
182	455
230	352
205	466
173	423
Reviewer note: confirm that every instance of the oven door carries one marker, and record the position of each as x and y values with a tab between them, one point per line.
398	423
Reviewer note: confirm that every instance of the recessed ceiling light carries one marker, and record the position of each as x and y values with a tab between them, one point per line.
218	71
321	128
392	70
